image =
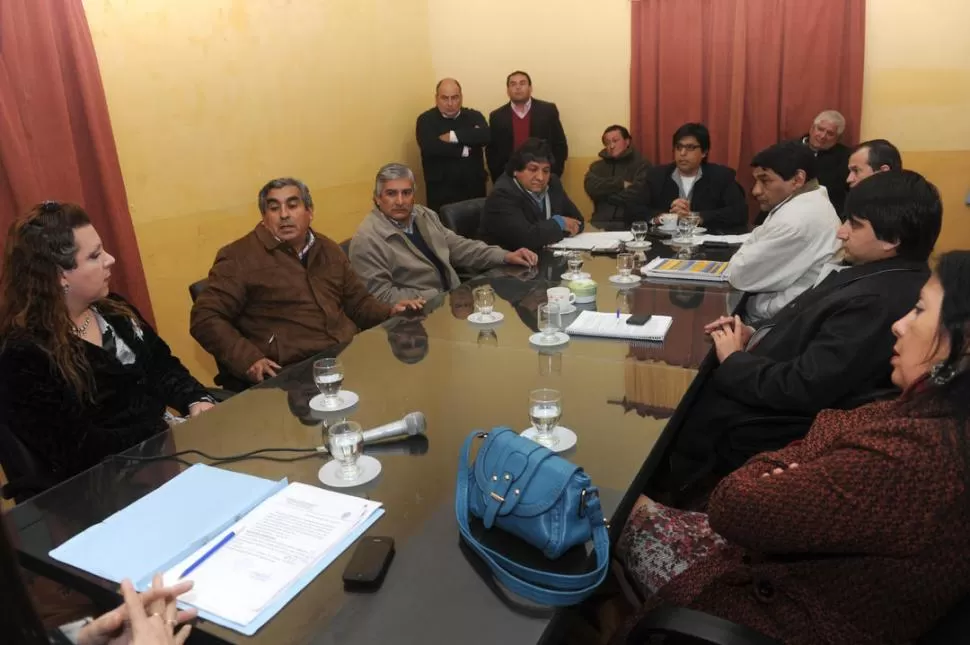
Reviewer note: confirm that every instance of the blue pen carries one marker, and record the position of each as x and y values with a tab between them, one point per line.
205	556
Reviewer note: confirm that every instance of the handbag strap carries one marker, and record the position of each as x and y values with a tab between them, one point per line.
555	589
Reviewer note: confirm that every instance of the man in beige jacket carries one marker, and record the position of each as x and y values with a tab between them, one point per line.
402	250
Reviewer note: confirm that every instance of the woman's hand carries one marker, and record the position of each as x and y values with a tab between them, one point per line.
778	471
198	408
129	624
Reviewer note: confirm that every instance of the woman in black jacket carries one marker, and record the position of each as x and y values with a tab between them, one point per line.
82	375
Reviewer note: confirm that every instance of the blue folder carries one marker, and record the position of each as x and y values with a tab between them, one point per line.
166	526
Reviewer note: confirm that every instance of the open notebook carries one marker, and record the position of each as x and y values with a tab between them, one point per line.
695	270
282	537
609	325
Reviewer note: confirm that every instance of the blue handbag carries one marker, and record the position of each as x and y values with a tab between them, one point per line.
527	490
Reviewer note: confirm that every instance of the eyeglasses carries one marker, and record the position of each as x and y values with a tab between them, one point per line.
688	147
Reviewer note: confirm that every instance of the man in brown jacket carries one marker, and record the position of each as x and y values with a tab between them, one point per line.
283	292
402	250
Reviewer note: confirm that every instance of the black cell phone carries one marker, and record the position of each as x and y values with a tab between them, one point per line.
639	320
368	565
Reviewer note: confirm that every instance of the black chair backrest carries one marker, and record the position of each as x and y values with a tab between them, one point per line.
196	288
25	476
465	217
954	627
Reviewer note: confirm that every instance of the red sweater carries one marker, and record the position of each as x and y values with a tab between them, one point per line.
866	542
520	129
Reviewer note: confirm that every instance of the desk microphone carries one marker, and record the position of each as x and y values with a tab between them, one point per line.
413	423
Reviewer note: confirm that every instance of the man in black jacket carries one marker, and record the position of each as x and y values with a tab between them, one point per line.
528	207
452	138
831	157
519	119
691	184
828	348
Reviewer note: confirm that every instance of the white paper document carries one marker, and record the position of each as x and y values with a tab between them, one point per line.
610	325
725	239
272	546
598	241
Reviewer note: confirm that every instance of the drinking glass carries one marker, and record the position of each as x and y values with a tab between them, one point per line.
550	321
487	338
328	374
683	229
639	230
694	220
484	301
574	260
545	410
345	441
624	265
550	363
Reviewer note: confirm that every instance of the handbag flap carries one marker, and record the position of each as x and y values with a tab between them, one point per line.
518	475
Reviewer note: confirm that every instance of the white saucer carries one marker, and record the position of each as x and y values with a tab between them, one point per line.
568	309
567	438
667	229
683	241
625	282
370	468
582	275
481	319
539	339
700	230
345	399
636	246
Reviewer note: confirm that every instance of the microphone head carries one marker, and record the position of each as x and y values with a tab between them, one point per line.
415	423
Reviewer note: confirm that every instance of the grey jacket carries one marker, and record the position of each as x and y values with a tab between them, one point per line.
394	269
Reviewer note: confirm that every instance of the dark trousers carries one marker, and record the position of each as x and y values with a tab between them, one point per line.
449	192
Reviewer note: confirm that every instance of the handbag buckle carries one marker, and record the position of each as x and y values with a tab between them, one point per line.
482	435
582	502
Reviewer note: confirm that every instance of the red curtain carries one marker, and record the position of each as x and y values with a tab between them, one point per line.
55	134
754	71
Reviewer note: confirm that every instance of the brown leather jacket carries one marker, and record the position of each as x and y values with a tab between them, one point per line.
261	302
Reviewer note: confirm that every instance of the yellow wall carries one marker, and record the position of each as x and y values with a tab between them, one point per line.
210	99
917	95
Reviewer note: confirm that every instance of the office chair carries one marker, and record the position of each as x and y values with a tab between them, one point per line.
465	217
228	383
24	473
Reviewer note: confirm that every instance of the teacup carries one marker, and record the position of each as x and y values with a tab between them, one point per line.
561	296
668	220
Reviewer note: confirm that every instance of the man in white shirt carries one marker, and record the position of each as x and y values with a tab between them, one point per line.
783	256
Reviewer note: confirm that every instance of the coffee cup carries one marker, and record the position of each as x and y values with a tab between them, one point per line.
561	296
668	220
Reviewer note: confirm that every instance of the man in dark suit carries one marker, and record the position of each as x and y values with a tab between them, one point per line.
528	206
828	348
831	156
691	184
451	138
519	119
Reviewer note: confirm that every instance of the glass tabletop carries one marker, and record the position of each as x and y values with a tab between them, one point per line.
616	397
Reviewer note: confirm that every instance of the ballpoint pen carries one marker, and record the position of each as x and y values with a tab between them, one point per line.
205	556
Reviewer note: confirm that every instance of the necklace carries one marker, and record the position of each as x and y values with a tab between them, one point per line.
82	329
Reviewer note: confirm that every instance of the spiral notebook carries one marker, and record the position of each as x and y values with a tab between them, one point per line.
609	325
673	269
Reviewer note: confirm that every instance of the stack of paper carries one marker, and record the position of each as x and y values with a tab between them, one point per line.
598	241
608	325
282	538
725	239
703	270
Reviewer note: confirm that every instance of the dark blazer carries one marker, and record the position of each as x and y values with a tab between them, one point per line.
545	124
717	196
68	434
512	219
448	176
829	348
865	543
832	168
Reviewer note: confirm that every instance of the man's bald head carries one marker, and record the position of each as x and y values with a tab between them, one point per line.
447	96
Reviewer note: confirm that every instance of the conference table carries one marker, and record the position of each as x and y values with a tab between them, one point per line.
618	397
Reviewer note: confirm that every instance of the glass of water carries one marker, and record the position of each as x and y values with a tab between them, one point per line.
574	260
545	410
484	301
693	220
639	230
624	265
328	374
550	321
345	441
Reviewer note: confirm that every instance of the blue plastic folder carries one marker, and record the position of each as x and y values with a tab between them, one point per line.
166	526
